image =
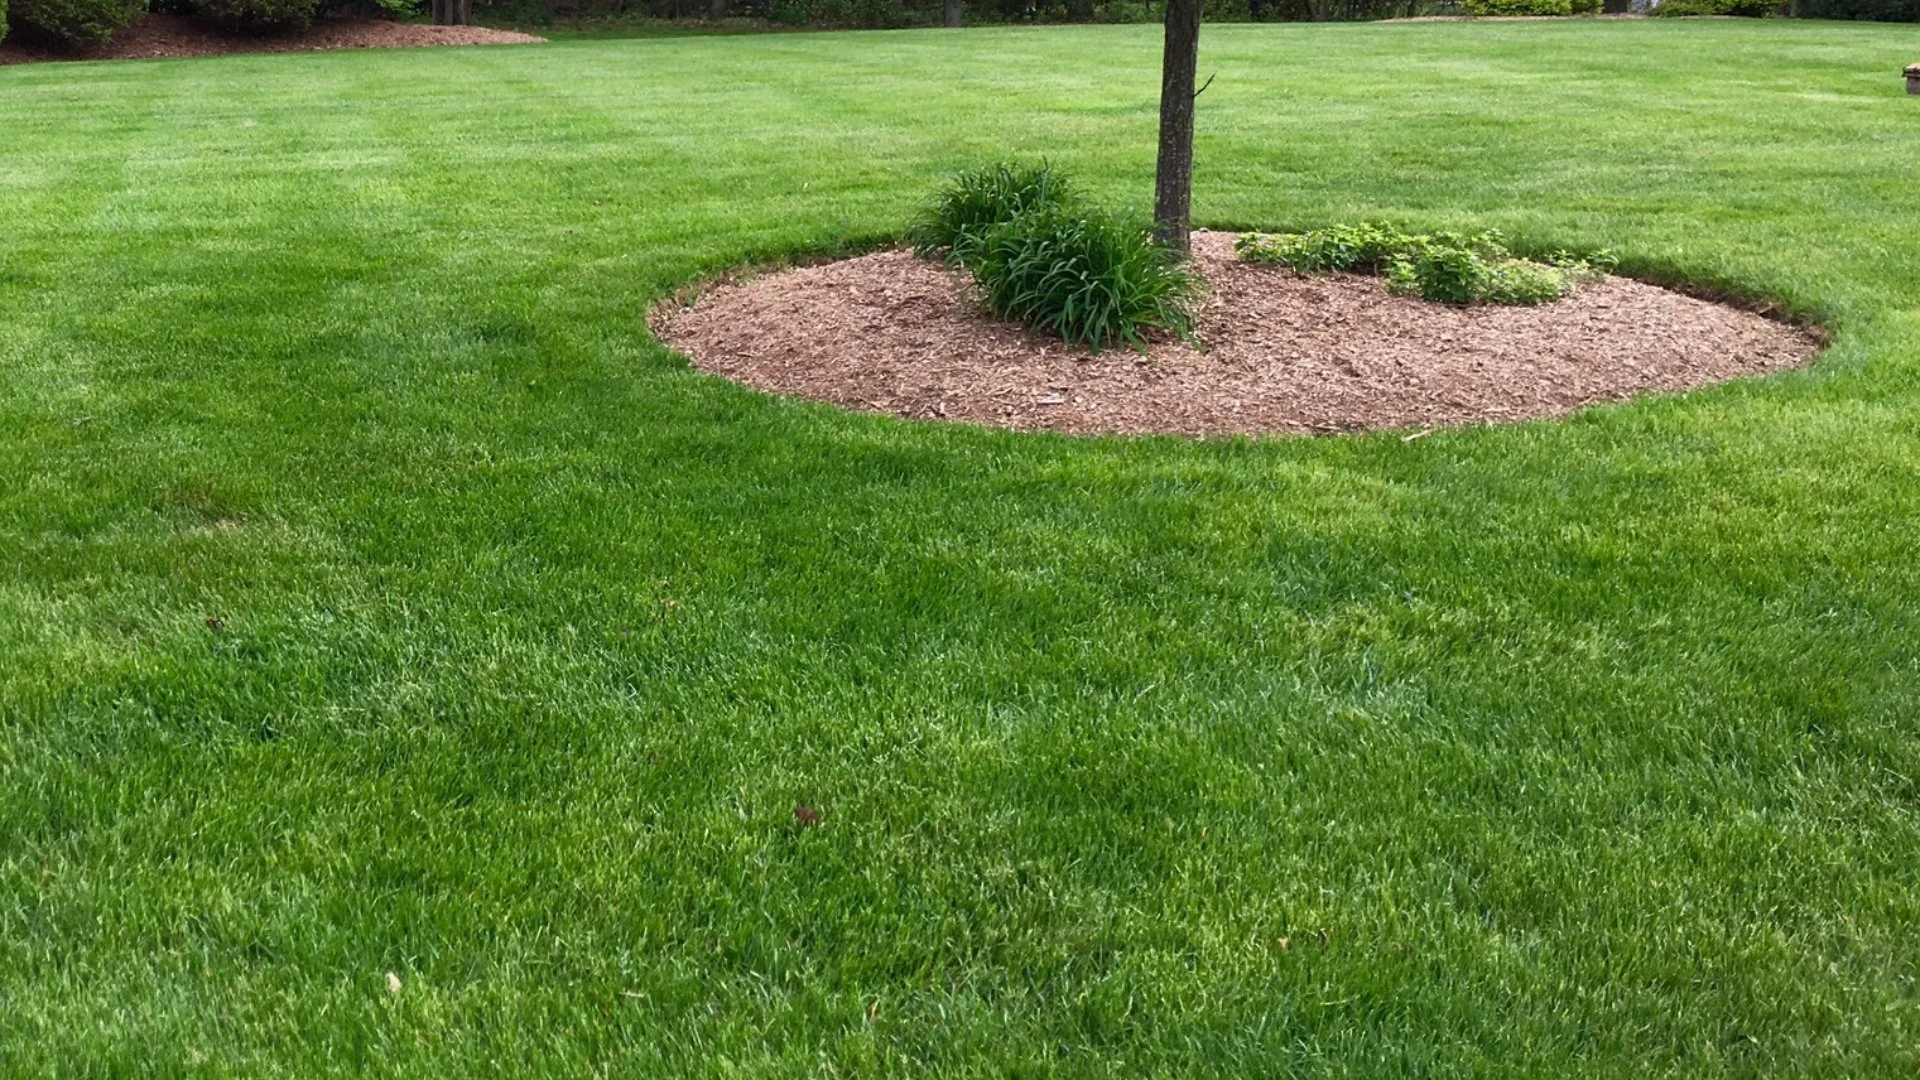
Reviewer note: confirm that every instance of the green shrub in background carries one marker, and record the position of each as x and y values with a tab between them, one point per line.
75	24
259	16
1752	9
1524	7
3	20
1876	10
1081	274
1447	268
864	14
979	199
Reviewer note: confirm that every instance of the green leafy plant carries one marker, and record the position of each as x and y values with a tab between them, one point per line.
1455	275
1364	248
1448	268
75	24
1444	274
1522	281
1089	277
978	199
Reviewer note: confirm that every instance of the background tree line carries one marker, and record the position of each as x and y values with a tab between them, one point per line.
904	13
84	24
888	14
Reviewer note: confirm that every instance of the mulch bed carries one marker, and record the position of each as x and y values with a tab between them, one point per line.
1278	352
171	35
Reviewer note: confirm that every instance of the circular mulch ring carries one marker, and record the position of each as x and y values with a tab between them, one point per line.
1277	352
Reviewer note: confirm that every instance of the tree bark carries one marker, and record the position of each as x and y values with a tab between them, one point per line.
1173	182
452	12
950	13
716	10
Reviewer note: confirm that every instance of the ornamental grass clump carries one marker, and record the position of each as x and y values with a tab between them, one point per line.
1041	255
978	199
1447	268
1079	273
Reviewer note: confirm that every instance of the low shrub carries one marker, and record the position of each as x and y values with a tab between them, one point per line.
1487	8
1079	273
1447	268
1510	8
865	14
1751	9
75	24
1877	10
979	199
259	16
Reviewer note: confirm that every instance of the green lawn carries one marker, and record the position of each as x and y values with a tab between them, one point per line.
376	596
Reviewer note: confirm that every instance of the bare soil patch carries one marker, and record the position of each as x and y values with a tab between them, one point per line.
1277	352
170	35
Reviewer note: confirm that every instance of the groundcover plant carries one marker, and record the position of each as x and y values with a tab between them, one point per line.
407	666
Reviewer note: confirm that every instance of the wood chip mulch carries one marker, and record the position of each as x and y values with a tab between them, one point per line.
1278	353
160	35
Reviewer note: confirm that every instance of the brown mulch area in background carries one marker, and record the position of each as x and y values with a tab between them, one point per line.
1278	352
171	35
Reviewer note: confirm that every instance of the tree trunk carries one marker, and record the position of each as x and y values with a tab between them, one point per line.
950	13
716	10
452	12
1173	183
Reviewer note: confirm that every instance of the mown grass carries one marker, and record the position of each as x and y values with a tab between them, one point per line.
376	596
